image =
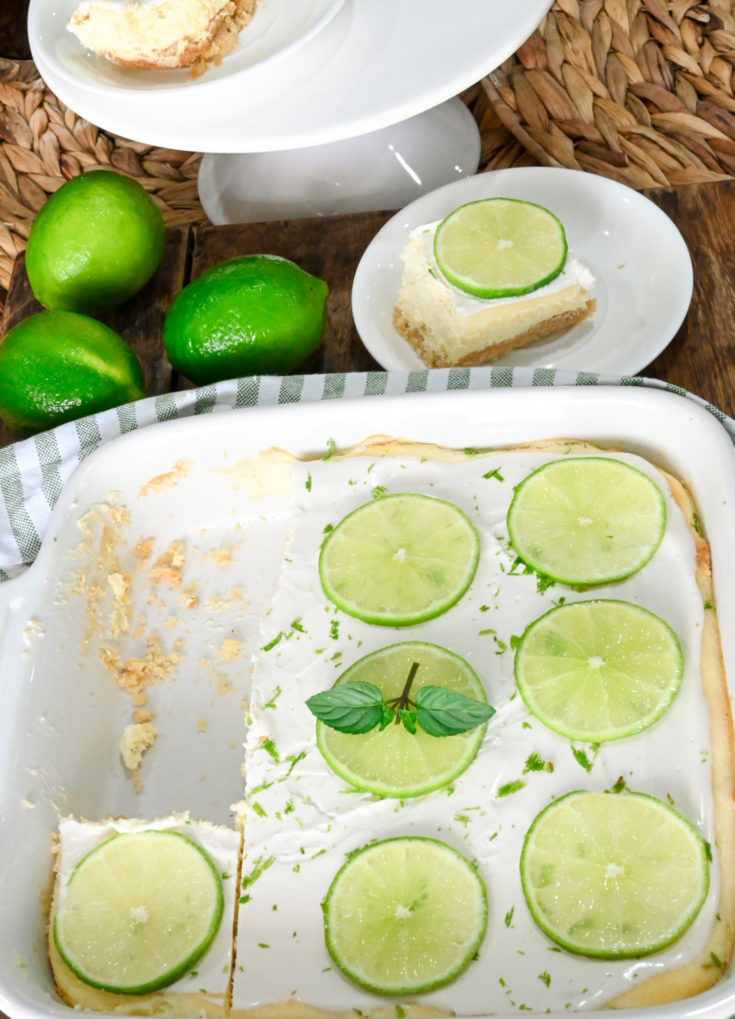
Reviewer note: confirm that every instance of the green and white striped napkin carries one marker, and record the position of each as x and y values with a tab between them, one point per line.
34	471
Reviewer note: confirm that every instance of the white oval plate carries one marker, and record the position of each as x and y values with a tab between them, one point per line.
643	272
278	28
374	64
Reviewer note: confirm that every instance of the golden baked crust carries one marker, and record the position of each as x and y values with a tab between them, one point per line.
555	324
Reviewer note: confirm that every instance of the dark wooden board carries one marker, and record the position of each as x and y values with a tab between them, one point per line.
700	357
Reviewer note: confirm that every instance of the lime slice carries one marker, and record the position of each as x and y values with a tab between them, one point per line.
500	247
405	915
586	520
399	560
613	876
138	912
598	670
395	762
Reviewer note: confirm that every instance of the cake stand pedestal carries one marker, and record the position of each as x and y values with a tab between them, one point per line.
384	169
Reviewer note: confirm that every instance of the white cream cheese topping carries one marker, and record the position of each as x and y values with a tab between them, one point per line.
574	272
212	973
301	819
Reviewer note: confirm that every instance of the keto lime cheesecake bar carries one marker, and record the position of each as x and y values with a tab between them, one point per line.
448	327
94	915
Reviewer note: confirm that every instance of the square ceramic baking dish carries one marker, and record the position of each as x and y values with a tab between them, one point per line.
124	506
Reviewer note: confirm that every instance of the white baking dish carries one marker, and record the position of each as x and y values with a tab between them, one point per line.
60	727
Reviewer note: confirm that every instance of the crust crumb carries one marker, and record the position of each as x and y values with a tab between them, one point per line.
167	480
137	740
136	674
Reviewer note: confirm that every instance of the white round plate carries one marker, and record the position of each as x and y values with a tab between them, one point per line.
374	64
278	28
642	269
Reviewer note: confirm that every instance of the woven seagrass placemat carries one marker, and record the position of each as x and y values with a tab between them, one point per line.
637	90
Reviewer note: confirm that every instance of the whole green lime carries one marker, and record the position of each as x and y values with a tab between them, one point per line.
253	315
94	244
56	366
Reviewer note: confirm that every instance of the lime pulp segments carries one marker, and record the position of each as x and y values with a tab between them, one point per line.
138	912
500	247
405	915
586	520
394	762
598	670
400	559
613	876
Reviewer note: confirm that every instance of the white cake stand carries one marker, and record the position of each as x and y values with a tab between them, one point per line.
377	63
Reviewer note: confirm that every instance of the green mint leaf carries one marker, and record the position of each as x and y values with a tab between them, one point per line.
350	707
387	717
442	712
408	717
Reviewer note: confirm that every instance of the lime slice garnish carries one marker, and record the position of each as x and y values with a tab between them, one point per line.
405	915
500	247
399	560
586	520
138	911
394	762
598	670
613	876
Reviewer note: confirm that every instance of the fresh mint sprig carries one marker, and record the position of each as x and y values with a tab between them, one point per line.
357	707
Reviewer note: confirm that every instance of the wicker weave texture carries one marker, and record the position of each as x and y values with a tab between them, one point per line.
42	144
637	90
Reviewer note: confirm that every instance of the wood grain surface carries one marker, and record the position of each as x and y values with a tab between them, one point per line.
701	357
